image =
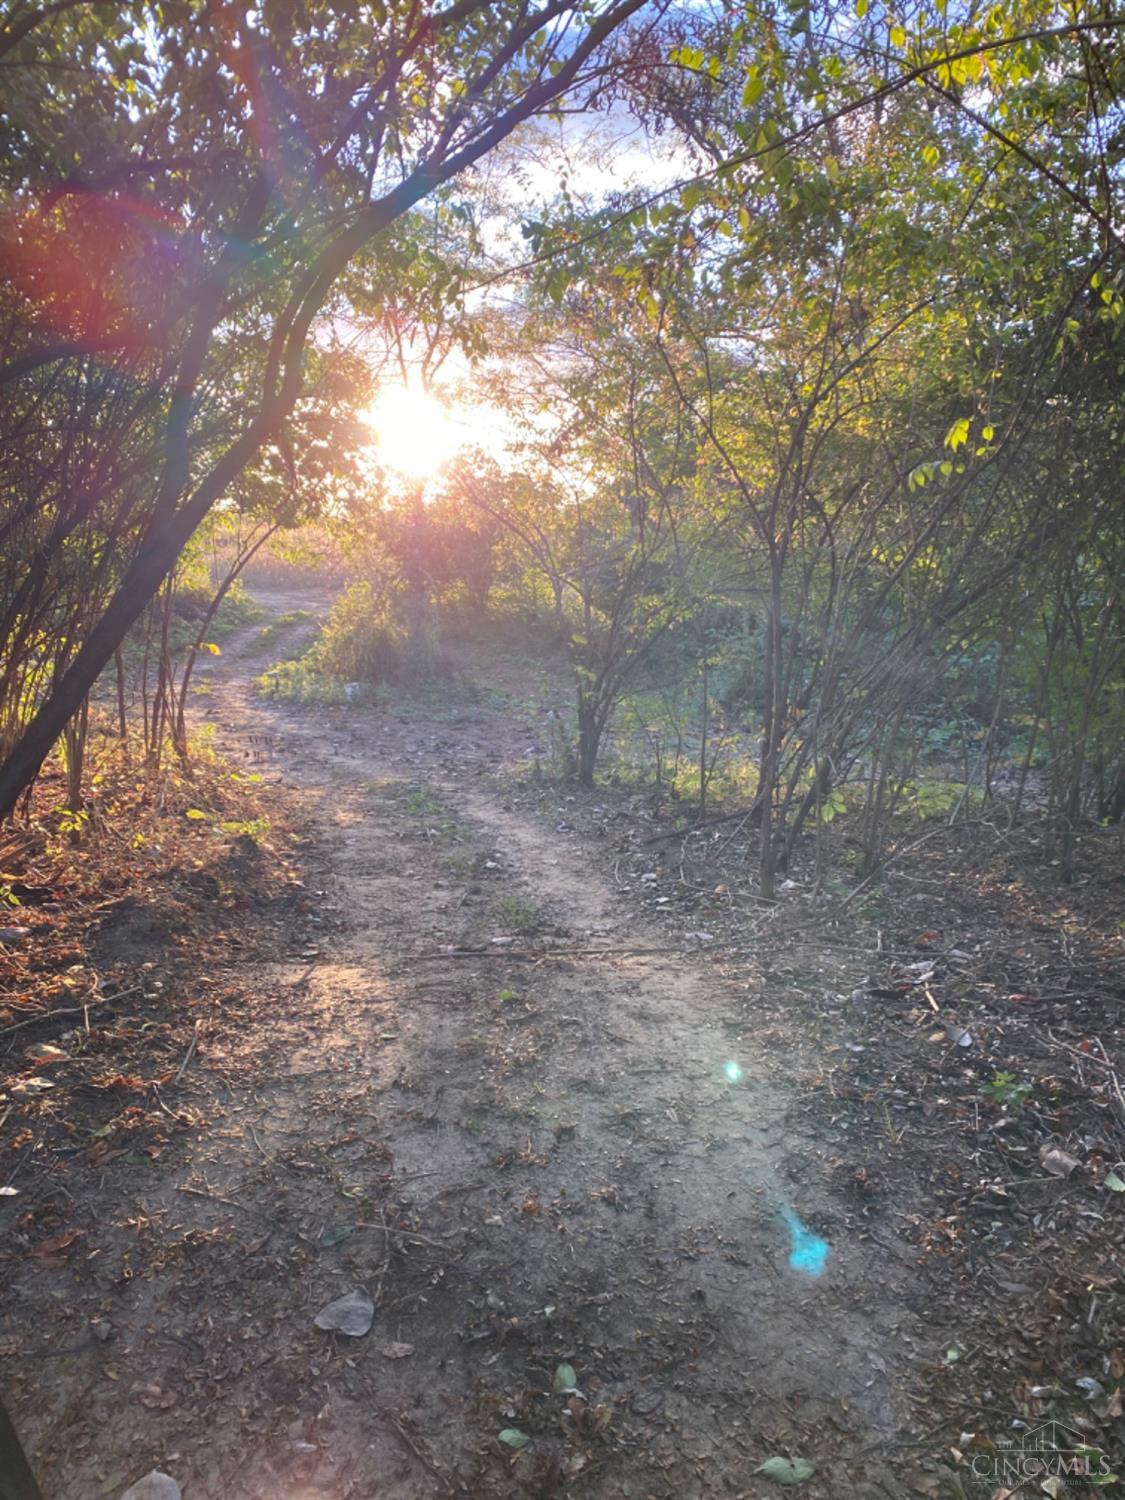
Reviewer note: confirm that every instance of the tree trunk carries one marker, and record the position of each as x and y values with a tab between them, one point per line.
75	743
122	717
137	588
589	741
772	713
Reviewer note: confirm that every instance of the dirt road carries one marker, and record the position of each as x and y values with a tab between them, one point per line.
524	1161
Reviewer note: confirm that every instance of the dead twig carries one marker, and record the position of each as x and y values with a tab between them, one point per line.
427	1463
216	1198
69	1010
408	1234
187	1055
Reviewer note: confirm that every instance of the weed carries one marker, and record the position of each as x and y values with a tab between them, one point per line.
303	682
518	914
1005	1091
892	1134
254	828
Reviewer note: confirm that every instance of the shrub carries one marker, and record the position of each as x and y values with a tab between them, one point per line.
360	642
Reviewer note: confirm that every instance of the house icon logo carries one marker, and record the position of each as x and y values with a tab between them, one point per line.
1052	1451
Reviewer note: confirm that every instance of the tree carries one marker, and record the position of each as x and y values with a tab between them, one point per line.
234	167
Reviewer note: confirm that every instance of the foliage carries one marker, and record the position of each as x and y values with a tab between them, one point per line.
1006	1091
193	216
360	642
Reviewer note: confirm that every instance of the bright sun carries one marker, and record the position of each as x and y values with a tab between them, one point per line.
413	432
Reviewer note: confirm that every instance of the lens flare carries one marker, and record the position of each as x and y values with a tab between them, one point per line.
808	1253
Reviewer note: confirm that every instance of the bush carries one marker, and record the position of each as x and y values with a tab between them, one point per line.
360	642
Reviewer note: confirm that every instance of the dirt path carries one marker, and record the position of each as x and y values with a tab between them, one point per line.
523	1162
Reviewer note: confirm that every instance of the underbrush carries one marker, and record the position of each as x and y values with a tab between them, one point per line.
207	839
302	681
188	609
132	809
362	653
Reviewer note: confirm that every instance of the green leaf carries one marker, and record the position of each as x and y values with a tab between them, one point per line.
861	8
958	434
514	1438
787	1470
195	814
567	1380
691	194
755	88
1114	1183
898	36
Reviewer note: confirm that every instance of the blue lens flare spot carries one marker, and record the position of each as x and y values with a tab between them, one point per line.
733	1072
808	1252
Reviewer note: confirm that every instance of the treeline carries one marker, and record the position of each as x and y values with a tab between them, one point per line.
831	433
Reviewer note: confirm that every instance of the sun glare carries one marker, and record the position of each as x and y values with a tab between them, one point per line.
413	432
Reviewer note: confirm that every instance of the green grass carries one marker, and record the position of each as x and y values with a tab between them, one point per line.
269	634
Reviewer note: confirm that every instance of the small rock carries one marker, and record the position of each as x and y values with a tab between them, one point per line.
154	1486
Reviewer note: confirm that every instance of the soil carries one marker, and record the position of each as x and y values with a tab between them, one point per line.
550	1097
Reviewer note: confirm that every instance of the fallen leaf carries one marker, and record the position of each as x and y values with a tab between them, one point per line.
45	1052
28	1087
1058	1162
565	1379
396	1351
514	1438
57	1243
787	1470
352	1314
1114	1183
